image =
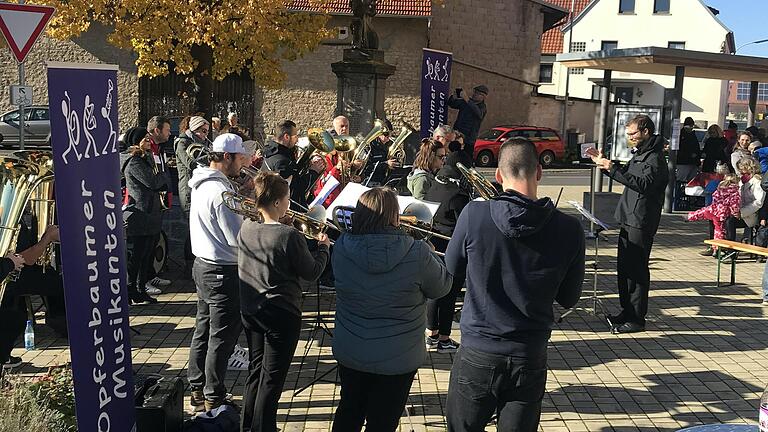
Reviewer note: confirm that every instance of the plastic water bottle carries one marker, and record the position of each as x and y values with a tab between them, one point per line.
29	336
764	411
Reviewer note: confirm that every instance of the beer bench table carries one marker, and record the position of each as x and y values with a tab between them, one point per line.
734	247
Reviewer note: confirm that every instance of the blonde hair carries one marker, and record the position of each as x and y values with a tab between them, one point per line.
749	165
728	180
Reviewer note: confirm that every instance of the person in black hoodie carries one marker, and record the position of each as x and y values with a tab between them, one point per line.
280	157
447	191
639	212
378	164
519	255
689	155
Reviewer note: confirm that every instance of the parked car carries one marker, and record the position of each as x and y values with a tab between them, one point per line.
548	143
37	127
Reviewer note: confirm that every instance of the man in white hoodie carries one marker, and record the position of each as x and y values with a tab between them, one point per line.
214	230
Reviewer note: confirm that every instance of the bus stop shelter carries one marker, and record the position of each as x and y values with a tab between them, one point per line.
671	62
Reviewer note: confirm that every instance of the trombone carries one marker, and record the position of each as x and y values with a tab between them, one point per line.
311	224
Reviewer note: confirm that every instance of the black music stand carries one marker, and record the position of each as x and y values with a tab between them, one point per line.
596	227
342	218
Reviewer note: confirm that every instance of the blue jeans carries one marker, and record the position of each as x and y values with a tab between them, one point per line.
765	282
483	383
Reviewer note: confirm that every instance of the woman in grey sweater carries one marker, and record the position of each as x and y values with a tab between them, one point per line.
271	259
143	213
429	160
383	278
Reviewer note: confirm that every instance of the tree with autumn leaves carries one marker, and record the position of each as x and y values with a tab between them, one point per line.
203	39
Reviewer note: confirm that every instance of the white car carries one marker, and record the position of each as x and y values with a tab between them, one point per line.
37	127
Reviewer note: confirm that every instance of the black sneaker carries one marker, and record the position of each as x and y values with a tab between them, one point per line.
141	298
431	342
447	346
628	327
12	362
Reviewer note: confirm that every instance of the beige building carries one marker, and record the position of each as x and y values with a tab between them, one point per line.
494	42
617	24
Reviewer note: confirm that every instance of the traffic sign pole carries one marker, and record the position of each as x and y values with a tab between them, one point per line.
21	106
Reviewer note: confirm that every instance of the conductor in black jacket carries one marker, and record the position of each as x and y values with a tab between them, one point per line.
639	211
280	157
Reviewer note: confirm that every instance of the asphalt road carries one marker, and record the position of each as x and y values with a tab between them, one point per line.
558	177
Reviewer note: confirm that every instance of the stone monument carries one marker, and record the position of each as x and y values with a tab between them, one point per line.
362	72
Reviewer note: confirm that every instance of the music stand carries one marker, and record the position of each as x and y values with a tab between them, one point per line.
596	227
342	217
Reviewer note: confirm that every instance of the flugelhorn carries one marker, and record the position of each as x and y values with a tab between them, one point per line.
480	184
363	151
397	148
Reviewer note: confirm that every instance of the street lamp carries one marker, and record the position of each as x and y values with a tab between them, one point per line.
751	43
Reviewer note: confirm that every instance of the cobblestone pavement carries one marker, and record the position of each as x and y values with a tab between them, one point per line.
702	360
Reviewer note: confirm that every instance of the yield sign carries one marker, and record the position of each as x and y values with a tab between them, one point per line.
22	25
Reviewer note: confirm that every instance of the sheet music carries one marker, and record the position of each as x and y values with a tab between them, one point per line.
584	212
351	193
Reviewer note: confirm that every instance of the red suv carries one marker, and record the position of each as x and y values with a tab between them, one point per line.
548	143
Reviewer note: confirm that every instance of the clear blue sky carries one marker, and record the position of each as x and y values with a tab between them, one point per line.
746	19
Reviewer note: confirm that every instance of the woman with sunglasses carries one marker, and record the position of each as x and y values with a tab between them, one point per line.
429	160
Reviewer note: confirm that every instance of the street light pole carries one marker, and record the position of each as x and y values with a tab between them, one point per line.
564	124
757	42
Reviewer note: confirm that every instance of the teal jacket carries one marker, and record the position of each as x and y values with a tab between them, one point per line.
382	283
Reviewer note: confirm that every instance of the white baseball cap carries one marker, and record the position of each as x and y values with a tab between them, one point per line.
229	143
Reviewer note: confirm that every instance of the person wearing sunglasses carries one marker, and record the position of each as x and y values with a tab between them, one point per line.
429	160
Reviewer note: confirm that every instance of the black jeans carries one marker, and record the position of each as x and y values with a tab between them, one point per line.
272	335
217	326
12	323
634	277
379	399
140	260
48	284
483	383
440	311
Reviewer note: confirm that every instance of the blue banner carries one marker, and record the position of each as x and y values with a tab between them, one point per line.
435	89
83	101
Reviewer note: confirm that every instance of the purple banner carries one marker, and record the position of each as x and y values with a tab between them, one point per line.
83	101
435	89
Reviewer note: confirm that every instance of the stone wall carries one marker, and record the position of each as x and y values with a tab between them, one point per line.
309	94
91	47
583	115
502	36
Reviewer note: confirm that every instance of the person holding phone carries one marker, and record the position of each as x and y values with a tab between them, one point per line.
472	111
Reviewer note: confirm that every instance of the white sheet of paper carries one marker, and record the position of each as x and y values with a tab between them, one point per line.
351	193
328	187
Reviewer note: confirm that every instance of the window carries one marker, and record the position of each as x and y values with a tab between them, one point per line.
545	73
576	71
626	6
14	115
549	135
661	6
676	45
490	135
578	46
609	45
39	114
742	92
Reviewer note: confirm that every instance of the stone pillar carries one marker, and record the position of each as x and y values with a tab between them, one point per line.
362	77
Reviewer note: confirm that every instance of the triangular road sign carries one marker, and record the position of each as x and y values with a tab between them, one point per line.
22	25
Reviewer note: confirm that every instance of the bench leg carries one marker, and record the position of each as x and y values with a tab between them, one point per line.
717	256
733	270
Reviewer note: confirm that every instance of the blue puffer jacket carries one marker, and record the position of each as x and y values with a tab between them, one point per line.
382	283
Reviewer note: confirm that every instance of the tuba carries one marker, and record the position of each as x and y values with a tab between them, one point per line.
42	205
20	174
397	148
363	151
318	144
480	184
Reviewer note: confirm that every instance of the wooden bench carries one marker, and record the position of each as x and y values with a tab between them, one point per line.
735	247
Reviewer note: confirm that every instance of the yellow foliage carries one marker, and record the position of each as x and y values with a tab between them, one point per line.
257	35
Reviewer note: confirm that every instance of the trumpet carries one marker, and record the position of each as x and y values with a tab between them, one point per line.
482	186
311	224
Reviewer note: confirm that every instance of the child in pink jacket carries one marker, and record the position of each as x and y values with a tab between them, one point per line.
726	201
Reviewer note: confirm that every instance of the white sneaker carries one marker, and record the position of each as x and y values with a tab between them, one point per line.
152	290
158	281
237	363
240	352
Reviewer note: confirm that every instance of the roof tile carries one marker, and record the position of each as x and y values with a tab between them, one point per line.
552	40
414	8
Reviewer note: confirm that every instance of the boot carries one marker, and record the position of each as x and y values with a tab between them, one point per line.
707	252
